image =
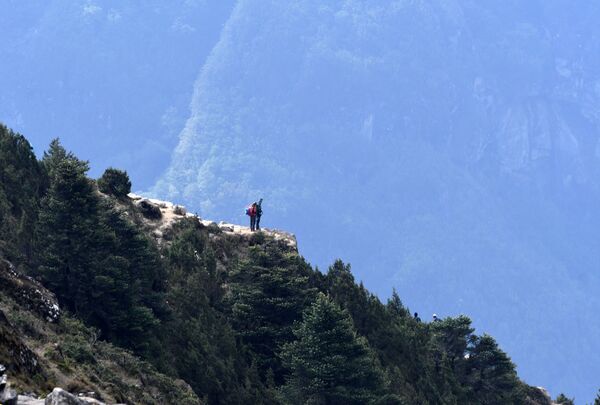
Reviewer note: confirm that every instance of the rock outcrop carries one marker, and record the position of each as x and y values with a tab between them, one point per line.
61	397
8	396
160	216
28	292
58	396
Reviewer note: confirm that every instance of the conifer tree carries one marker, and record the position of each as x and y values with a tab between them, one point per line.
68	221
21	184
562	399
491	375
99	266
597	400
269	293
128	281
115	182
329	363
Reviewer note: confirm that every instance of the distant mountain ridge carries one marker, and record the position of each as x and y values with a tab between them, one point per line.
449	148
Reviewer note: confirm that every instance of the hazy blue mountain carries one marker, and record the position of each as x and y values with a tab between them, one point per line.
112	78
448	148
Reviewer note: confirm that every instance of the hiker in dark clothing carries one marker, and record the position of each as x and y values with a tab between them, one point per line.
258	214
417	317
251	212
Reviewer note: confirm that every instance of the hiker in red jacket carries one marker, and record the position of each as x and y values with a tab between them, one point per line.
251	212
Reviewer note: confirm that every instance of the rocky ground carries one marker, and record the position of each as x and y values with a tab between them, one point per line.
160	216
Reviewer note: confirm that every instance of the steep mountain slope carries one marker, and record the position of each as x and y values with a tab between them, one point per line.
136	300
112	78
448	148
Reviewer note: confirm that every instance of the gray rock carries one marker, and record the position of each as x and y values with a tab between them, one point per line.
226	227
2	368
180	210
2	381
149	209
27	400
61	397
91	401
8	397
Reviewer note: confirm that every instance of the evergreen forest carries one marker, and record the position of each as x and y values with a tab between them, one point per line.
240	319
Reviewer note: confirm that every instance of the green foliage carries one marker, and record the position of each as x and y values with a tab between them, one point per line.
329	363
490	375
242	320
98	264
564	400
204	336
68	221
597	400
21	185
269	292
115	182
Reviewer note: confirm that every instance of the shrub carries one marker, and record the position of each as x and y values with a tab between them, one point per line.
150	210
115	182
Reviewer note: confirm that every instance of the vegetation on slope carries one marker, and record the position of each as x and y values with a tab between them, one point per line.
240	319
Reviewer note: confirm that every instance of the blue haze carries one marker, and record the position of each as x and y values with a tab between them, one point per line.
113	79
447	148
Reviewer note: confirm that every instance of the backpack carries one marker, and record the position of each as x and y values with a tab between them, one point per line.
250	211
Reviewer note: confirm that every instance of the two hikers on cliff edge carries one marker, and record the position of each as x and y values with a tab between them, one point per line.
254	211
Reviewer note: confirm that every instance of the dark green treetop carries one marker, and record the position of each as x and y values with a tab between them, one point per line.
329	362
562	399
115	182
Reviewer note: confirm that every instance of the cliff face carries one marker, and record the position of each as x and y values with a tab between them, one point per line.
448	148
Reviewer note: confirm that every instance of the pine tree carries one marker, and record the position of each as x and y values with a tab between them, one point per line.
597	400
97	263
115	182
204	336
329	363
490	374
269	292
21	184
68	221
129	281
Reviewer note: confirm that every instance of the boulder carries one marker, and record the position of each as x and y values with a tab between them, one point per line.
179	210
8	396
134	197
28	400
226	227
61	397
160	203
149	210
